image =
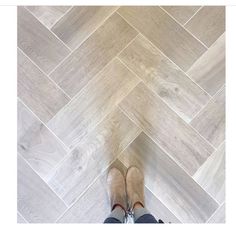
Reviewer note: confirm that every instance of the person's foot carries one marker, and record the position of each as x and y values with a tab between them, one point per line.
135	188
116	189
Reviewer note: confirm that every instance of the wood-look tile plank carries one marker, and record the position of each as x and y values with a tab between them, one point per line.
164	78
208	24
37	91
80	22
20	219
209	70
210	122
90	207
44	48
211	175
165	33
173	134
35	200
92	155
219	215
104	44
36	143
108	88
48	15
181	13
174	187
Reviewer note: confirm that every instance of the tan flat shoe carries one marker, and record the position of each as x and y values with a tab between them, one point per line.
134	187
116	189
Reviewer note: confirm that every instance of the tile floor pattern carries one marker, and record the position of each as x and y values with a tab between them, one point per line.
102	86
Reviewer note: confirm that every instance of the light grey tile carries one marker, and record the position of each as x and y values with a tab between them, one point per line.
210	122
208	24
37	91
36	143
44	48
35	200
80	22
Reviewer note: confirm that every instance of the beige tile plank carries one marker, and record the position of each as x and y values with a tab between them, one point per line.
164	78
44	48
174	187
94	205
219	215
211	175
208	24
80	22
48	15
37	91
92	155
97	100
35	200
210	122
104	44
181	13
36	143
209	70
179	140
165	33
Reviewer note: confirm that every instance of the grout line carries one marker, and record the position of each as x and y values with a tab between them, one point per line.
168	57
99	175
94	30
64	145
167	154
91	80
184	28
44	73
193	176
22	217
41	178
188	123
214	212
210	100
154	194
48	29
193	15
67	11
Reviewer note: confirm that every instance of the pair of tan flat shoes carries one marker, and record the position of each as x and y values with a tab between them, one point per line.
126	191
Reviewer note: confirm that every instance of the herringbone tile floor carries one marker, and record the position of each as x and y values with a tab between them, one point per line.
104	86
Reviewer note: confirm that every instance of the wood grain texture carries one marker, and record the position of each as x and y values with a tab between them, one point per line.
35	200
219	215
44	48
92	155
48	15
89	208
36	143
209	70
165	33
104	44
211	175
181	13
80	22
93	103
174	135
168	181
20	219
164	78
208	24
210	122
37	91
